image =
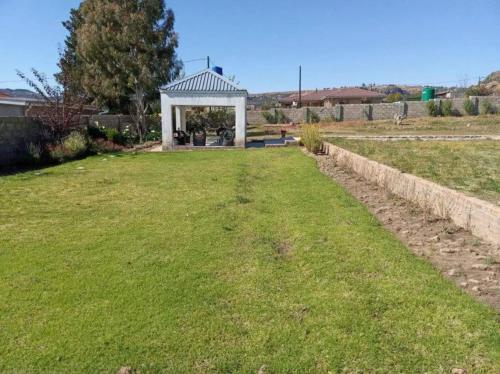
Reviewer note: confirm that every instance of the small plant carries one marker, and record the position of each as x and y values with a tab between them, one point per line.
76	144
432	109
96	132
469	107
104	146
116	136
488	108
35	151
268	117
311	138
447	108
73	146
277	117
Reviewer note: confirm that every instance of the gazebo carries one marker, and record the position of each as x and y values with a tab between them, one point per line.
207	88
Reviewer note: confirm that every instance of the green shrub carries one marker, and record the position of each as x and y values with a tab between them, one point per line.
488	108
76	144
73	146
469	107
96	132
394	97
311	138
447	108
116	136
432	109
35	150
277	117
281	117
269	117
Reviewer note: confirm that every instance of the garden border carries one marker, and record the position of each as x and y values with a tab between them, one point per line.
480	217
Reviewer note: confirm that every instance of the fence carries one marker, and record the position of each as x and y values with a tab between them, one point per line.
366	112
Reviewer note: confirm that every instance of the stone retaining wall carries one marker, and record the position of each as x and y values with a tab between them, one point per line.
478	216
365	112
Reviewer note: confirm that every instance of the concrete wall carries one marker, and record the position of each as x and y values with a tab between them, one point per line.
478	216
7	110
366	112
16	133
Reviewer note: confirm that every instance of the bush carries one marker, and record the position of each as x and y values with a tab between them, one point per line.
35	151
116	136
311	138
73	146
96	132
104	146
394	97
469	107
432	109
447	108
268	117
488	108
278	117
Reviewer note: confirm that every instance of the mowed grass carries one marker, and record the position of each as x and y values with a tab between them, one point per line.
468	166
219	261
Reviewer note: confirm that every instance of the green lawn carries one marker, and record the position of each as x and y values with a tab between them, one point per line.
466	125
219	261
468	166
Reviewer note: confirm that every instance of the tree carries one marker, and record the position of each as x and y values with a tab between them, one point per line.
61	108
120	48
479	90
69	64
394	97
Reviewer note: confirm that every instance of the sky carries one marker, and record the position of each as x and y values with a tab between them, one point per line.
262	42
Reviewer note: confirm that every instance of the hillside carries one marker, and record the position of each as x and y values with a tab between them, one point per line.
492	82
18	92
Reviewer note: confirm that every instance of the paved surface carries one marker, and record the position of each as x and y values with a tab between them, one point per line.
277	142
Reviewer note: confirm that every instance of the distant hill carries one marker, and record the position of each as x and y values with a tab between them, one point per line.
19	92
492	82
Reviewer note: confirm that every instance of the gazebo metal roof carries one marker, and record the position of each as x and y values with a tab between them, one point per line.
206	81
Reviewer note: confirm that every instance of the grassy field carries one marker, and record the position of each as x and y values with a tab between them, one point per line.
219	261
468	166
467	125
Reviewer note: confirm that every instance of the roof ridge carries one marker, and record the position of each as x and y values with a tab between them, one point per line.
204	78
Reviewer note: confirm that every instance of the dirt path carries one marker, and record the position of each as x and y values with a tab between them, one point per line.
469	262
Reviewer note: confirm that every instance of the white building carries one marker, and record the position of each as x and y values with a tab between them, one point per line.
207	89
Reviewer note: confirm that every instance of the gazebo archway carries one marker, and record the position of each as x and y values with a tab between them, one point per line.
204	89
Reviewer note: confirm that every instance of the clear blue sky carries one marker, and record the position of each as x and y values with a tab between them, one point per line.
262	42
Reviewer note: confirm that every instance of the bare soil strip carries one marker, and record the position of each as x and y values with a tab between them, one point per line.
472	264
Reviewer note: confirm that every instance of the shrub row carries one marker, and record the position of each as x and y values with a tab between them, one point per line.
446	108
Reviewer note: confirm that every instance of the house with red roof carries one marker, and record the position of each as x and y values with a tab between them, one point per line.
330	97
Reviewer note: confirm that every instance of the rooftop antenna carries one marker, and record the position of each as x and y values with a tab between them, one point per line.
208	62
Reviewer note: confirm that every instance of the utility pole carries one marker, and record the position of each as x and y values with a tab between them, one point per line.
300	86
208	62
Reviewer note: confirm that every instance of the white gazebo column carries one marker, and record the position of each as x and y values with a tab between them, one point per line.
241	122
180	118
166	123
